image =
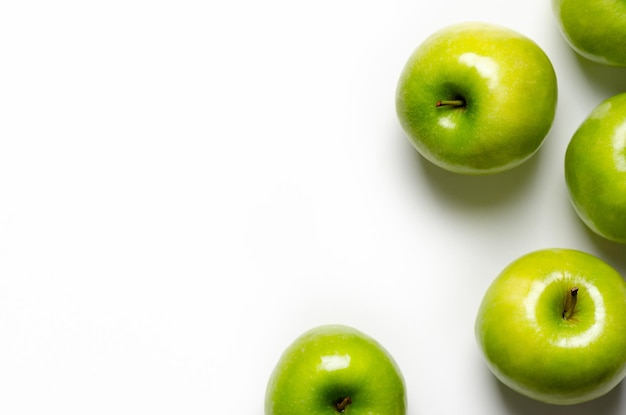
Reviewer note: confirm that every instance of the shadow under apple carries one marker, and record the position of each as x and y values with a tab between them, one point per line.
607	80
480	191
517	404
612	253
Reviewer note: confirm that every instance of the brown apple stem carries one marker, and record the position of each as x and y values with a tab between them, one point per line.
450	103
342	405
570	303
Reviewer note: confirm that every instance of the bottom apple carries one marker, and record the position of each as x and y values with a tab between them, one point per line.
552	326
335	369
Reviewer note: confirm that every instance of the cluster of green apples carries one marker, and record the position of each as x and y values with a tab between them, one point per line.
477	98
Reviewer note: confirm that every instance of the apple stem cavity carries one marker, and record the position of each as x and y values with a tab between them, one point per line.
570	303
450	103
343	404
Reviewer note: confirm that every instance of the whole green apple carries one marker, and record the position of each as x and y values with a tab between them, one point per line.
595	169
477	98
335	369
595	29
552	326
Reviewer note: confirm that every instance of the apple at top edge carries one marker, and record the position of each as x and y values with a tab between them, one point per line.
595	169
477	98
552	326
333	369
594	29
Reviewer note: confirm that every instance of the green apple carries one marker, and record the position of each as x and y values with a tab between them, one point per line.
477	98
552	326
595	29
335	369
595	169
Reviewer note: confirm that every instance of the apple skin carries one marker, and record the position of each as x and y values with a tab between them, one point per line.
510	91
595	169
329	363
595	29
533	349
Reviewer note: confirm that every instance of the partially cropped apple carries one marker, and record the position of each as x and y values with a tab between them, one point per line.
552	326
477	98
595	29
334	369
595	169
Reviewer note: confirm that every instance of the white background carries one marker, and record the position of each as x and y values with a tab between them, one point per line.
186	186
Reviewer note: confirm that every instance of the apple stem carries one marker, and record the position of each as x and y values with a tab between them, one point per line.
341	405
450	103
570	303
